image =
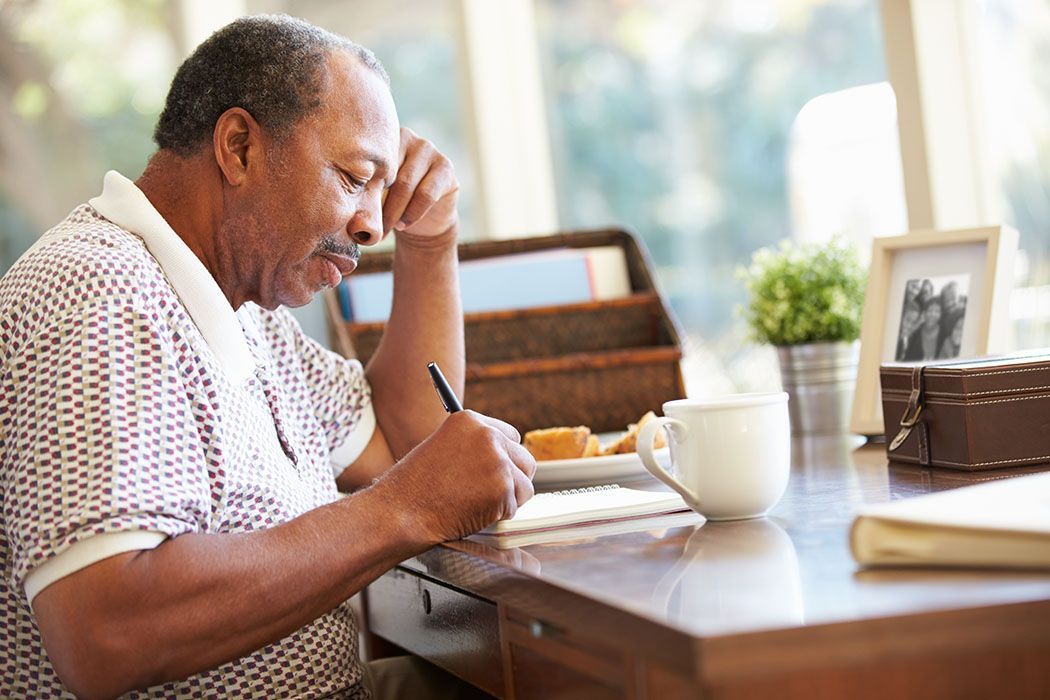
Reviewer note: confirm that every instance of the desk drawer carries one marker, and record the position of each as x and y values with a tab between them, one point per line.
452	629
547	663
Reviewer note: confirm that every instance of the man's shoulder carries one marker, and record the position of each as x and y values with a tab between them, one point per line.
85	252
85	259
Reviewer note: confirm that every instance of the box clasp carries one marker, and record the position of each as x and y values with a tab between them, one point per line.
907	423
912	413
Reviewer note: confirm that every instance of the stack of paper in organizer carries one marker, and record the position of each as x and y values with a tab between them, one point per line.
522	281
588	512
1002	523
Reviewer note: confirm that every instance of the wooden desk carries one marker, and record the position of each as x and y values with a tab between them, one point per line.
751	609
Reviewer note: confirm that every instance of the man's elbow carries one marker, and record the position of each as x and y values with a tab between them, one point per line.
95	663
91	687
95	652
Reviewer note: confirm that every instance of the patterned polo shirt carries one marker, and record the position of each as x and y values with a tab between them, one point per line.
137	405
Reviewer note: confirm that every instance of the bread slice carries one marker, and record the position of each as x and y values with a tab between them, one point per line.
593	448
628	442
559	443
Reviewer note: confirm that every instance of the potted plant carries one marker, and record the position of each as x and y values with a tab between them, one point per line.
807	300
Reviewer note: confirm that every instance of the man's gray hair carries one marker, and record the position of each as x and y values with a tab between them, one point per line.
272	66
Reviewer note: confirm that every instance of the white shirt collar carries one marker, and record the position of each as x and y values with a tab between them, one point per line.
125	205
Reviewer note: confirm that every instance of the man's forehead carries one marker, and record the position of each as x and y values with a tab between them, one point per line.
358	106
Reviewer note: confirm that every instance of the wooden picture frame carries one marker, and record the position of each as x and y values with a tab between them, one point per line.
946	254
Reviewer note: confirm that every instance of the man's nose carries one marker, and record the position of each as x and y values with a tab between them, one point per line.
366	225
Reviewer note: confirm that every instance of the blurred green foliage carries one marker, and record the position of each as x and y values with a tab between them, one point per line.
805	293
87	80
673	118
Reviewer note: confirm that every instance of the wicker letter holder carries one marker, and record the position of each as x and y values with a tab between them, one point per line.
600	363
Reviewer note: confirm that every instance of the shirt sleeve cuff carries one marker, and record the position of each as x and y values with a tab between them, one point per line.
346	454
87	552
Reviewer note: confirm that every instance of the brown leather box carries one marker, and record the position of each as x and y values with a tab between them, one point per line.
978	414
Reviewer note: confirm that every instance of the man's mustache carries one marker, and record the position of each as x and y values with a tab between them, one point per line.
330	244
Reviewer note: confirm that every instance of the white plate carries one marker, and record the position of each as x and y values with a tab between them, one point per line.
588	471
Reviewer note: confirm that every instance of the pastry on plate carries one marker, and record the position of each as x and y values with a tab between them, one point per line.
628	442
561	443
593	448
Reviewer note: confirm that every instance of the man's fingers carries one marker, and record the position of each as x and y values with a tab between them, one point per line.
418	159
506	428
415	162
400	193
522	459
439	181
523	488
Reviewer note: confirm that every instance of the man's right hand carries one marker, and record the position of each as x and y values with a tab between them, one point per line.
471	472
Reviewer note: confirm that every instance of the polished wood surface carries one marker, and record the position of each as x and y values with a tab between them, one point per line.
747	608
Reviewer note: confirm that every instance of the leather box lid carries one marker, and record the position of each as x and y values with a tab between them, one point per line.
961	380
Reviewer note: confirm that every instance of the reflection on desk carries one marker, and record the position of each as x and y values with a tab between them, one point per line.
731	572
775	607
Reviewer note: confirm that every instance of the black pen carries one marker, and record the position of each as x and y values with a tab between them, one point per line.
445	393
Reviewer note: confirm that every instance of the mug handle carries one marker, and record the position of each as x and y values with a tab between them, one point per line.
645	451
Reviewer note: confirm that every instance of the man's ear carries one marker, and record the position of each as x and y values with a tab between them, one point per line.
236	140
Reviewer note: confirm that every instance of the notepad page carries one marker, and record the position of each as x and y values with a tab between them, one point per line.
587	505
660	521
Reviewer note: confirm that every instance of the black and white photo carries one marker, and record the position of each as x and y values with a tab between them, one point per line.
933	313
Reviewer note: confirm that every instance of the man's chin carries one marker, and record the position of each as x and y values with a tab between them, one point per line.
297	302
292	299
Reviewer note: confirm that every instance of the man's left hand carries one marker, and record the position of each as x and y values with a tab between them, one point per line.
422	200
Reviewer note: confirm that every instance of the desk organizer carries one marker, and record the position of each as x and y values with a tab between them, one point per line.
599	363
972	415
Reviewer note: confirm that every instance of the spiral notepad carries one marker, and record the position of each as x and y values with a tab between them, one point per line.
599	509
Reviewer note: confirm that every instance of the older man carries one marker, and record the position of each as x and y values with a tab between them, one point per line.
172	442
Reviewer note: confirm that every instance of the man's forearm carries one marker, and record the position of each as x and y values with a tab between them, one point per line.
198	601
426	324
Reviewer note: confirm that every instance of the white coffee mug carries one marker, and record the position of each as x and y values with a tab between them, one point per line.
732	454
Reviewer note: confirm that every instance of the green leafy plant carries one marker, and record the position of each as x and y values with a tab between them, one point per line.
805	293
